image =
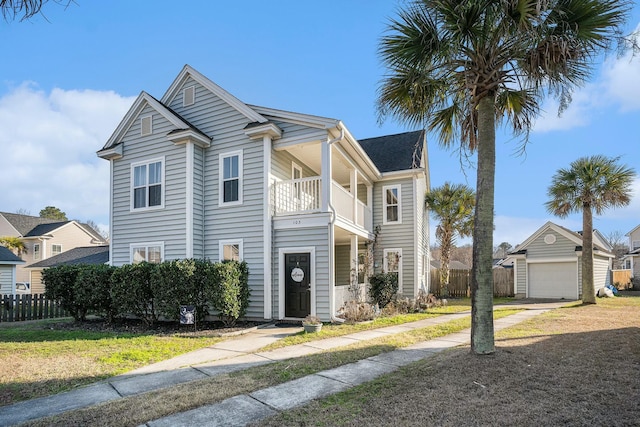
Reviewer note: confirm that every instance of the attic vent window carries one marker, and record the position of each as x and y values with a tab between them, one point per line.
146	125
550	239
189	96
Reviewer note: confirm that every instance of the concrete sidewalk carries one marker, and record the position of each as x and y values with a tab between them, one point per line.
240	353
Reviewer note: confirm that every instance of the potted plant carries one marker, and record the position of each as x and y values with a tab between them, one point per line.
311	324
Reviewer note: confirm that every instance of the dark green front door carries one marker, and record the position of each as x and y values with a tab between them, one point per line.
297	284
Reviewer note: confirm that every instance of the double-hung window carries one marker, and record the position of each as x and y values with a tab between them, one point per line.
391	203
147	252
231	178
147	184
392	263
56	249
36	251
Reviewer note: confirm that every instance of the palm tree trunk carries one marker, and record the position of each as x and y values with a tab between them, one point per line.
588	289
445	257
482	336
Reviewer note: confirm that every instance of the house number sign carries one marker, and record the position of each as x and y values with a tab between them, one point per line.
297	274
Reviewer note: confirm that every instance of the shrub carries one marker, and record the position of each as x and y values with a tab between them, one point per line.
133	291
60	286
183	282
229	294
354	311
383	288
93	289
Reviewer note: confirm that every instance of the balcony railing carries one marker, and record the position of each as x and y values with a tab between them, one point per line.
299	196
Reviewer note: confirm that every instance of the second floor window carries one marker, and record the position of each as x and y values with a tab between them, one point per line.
231	178
56	250
36	251
391	204
147	184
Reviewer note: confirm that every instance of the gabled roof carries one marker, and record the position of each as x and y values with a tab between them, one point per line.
25	223
81	255
43	229
633	230
174	118
397	152
8	257
188	71
575	237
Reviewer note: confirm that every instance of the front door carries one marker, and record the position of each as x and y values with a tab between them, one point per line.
297	285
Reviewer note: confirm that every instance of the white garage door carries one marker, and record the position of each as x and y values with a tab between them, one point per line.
553	280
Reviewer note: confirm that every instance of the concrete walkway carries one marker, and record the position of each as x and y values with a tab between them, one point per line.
240	353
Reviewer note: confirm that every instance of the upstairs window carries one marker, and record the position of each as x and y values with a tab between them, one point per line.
147	184
56	250
146	125
635	245
231	178
36	251
392	207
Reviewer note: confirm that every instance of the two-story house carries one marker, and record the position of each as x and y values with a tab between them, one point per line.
43	238
201	174
631	260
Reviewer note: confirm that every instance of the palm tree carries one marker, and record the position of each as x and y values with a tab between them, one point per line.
590	184
14	244
461	67
452	206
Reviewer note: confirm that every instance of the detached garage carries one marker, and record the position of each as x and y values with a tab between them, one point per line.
548	264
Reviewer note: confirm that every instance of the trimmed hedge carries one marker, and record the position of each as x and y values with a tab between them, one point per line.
152	291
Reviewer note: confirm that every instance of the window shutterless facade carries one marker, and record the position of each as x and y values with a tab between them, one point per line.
392	204
230	250
36	251
56	249
147	252
147	185
231	178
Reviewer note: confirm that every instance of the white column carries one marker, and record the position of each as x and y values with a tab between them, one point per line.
266	230
354	192
354	252
189	200
325	174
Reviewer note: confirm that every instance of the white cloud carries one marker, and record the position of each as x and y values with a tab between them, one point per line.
49	143
617	86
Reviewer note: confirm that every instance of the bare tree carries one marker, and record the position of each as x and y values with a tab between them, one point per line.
619	246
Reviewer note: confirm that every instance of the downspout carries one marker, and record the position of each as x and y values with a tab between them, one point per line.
332	273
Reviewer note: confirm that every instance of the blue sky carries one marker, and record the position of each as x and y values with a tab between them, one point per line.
67	80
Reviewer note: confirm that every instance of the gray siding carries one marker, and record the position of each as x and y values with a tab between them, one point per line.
198	203
397	235
562	248
318	238
343	265
601	272
6	279
166	225
281	163
521	278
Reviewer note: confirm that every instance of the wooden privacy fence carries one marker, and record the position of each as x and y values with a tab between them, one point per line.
460	282
16	308
621	278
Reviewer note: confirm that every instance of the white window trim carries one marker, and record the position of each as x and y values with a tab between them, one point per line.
162	184
384	204
223	243
635	244
295	167
142	118
146	245
52	251
37	252
385	264
221	158
184	98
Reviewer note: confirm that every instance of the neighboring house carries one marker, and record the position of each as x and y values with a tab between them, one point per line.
549	263
200	174
44	238
631	260
76	256
8	263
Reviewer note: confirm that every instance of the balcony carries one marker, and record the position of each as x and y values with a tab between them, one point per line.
303	196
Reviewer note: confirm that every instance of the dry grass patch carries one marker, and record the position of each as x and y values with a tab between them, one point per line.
139	409
578	366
